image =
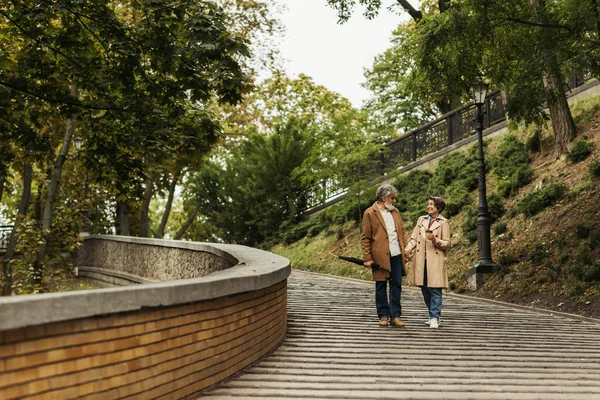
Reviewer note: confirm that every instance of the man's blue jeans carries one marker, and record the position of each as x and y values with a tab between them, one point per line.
432	297
393	308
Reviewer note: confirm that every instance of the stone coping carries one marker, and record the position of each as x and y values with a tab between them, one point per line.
253	269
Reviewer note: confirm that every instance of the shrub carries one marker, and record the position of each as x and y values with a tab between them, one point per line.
470	222
594	169
534	143
538	200
507	259
592	273
314	230
457	198
472	236
580	150
499	228
510	166
495	207
574	287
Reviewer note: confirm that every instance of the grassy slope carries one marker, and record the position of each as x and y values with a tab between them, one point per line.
549	259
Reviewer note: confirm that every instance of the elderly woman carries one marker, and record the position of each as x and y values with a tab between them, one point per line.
431	238
383	242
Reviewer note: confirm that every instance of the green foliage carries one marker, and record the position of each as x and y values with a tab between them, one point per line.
538	200
469	225
580	150
510	166
594	169
258	191
506	260
534	142
396	105
499	228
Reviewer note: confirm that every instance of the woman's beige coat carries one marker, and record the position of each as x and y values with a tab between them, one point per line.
437	274
376	243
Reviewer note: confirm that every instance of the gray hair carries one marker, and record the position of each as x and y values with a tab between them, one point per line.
385	191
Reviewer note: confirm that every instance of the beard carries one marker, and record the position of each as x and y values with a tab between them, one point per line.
389	206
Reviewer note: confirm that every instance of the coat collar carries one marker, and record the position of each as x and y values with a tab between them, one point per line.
437	222
379	216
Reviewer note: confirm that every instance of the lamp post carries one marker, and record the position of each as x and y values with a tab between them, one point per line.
78	146
485	263
78	143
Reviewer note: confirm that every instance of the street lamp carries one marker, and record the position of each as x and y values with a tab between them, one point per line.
485	263
78	146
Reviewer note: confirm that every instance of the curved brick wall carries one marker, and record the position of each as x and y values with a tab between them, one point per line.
165	340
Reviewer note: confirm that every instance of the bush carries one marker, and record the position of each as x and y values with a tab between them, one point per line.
499	228
594	169
510	166
470	222
495	207
314	231
538	200
534	143
574	287
580	150
507	259
457	198
472	236
592	273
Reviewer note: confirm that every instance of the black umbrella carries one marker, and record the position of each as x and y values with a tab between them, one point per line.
361	262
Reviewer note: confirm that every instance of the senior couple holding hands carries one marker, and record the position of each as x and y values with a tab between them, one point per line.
384	243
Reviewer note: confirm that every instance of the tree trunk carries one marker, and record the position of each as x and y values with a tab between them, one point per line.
160	233
597	14
190	220
14	235
145	217
413	12
560	113
554	87
443	5
51	196
123	218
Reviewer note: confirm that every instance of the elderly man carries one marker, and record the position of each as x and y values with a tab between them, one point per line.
383	243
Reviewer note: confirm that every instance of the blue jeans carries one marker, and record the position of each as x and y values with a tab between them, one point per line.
432	297
381	298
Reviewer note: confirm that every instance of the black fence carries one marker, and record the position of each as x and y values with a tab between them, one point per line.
428	139
450	128
5	231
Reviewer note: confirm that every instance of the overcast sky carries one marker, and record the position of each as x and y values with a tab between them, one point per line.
334	55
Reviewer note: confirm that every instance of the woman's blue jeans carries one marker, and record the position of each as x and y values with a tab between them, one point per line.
393	308
432	297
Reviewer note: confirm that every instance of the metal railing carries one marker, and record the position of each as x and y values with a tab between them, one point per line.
448	129
428	139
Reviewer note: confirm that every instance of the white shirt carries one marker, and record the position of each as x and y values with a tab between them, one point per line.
390	226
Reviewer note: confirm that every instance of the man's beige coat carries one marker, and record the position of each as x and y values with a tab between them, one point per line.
437	274
376	243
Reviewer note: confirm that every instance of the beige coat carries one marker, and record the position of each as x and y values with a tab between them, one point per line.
437	274
375	241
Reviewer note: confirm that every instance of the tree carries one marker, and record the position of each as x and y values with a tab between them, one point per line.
397	102
134	75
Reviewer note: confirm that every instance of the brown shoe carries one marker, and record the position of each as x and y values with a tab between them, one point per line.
397	322
383	321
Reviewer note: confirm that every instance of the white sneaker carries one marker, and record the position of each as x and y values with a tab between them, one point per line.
435	323
428	322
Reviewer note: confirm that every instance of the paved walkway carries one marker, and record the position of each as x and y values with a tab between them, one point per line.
335	350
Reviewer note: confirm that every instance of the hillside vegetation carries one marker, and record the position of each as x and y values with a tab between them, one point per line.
545	212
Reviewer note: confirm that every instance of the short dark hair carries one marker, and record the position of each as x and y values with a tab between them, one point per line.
438	202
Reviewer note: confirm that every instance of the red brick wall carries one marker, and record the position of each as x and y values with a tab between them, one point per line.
166	353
